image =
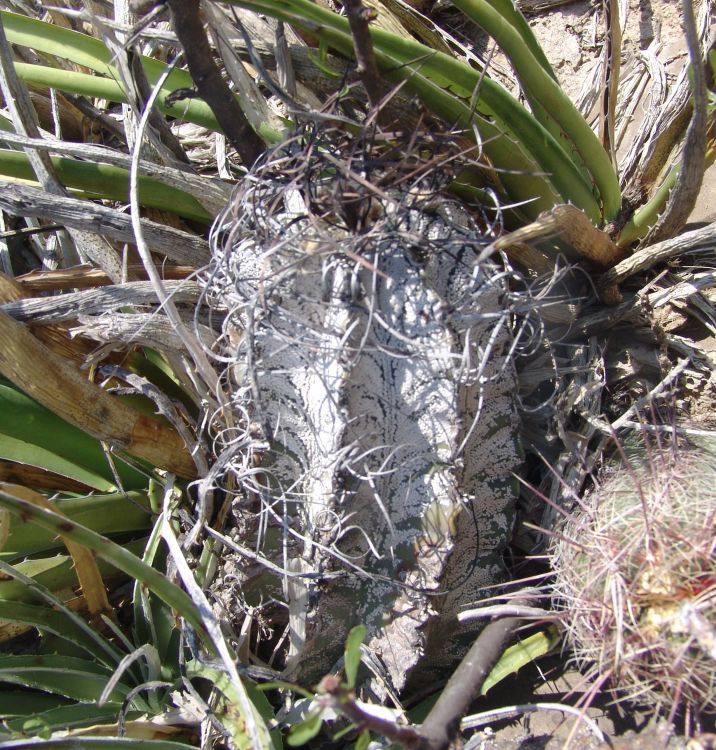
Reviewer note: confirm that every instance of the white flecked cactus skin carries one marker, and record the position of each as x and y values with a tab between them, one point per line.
374	392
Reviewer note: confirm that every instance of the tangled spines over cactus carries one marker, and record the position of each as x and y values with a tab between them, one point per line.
636	573
373	434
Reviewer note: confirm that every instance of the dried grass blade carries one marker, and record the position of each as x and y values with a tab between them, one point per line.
96	301
93	588
52	381
179	246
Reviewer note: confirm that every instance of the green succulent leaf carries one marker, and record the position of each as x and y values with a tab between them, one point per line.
519	655
55	617
532	165
91	53
305	730
108	182
95	743
64	717
112	553
363	740
47	620
549	104
68	676
116	513
23	703
32	434
352	653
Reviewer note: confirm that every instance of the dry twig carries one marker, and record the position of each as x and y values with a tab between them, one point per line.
210	85
443	722
179	246
70	305
684	194
359	18
658	253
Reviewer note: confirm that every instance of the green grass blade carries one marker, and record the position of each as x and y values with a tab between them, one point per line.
77	455
550	105
68	676
112	553
108	182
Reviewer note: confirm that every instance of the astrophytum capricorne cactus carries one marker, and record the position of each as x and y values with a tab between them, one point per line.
367	347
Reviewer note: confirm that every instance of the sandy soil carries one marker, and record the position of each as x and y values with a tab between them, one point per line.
572	37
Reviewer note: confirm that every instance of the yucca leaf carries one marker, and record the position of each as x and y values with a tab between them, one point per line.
55	40
192	110
151	365
534	165
84	563
550	105
117	513
646	216
108	182
32	434
93	743
88	52
26	703
29	454
510	11
56	573
91	53
64	718
68	676
55	617
154	621
112	553
48	620
60	386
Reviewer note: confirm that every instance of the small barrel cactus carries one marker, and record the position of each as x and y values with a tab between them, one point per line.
635	571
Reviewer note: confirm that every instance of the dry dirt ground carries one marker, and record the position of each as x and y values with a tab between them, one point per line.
571	35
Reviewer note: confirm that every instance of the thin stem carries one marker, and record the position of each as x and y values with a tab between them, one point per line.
443	722
189	29
359	17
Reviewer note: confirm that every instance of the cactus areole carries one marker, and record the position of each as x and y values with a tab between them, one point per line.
372	438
